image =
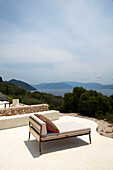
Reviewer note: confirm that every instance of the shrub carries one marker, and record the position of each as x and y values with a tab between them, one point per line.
92	103
30	101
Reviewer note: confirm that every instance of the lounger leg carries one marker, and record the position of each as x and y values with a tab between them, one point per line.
40	147
29	131
29	135
90	137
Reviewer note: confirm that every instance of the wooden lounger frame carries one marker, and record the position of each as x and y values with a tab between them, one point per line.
36	129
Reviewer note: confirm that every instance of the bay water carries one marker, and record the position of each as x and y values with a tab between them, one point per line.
61	92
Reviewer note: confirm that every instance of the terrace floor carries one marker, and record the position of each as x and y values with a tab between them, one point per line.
17	153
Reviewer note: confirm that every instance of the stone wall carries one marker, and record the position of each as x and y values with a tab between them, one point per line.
23	110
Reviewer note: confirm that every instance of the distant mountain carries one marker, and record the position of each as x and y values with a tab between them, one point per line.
90	85
22	84
53	86
71	85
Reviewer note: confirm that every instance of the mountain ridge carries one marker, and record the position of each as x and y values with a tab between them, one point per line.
71	85
59	85
21	84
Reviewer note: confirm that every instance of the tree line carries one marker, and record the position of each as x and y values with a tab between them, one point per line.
88	103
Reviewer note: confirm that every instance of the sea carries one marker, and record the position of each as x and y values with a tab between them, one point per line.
61	92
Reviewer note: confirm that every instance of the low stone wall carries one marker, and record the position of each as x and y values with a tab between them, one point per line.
23	110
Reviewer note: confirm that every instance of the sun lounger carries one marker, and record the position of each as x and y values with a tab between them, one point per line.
66	128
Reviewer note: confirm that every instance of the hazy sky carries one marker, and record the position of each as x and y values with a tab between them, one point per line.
52	41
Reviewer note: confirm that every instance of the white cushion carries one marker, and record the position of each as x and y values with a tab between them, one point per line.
66	127
69	124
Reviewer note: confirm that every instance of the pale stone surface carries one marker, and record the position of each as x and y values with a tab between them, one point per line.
16	102
16	153
13	121
22	120
108	130
4	104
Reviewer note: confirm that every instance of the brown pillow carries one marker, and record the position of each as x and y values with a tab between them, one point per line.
50	125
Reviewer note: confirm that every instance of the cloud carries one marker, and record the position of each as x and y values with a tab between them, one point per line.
55	41
98	76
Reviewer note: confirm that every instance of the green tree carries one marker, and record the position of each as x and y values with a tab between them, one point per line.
68	102
1	79
77	92
94	104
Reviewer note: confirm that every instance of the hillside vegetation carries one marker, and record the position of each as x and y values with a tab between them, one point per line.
29	98
89	103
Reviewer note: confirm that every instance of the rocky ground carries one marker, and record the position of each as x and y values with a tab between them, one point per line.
104	128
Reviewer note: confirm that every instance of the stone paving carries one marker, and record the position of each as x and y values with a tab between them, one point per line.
17	153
